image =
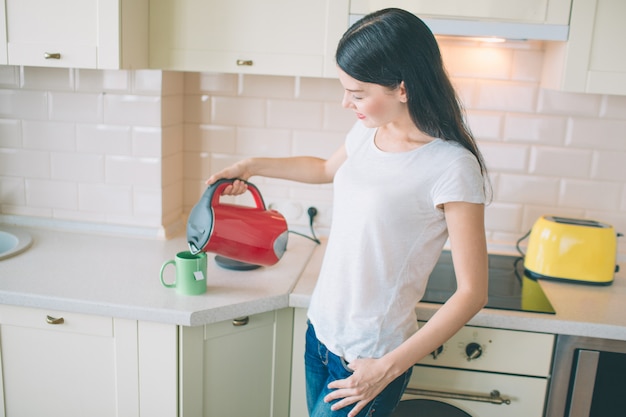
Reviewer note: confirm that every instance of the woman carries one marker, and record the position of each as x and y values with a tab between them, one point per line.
408	178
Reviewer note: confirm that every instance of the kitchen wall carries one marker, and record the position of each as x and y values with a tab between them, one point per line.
129	150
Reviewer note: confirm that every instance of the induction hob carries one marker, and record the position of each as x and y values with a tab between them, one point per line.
509	288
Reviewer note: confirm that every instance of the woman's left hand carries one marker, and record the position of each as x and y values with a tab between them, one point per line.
370	377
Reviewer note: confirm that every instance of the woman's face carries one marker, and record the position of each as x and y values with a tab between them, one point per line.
373	104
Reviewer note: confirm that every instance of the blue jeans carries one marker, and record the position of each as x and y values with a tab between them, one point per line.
322	367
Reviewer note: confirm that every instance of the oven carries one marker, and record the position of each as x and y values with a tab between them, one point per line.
484	372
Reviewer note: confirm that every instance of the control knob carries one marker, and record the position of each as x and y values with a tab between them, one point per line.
473	351
435	353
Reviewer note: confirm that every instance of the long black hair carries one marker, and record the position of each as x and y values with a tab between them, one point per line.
392	45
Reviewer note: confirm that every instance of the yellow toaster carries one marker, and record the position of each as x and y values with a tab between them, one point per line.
574	250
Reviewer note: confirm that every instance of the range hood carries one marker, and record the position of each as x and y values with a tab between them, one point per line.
486	28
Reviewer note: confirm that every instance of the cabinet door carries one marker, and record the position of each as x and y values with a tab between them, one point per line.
238	367
107	34
279	37
591	61
67	364
531	11
3	34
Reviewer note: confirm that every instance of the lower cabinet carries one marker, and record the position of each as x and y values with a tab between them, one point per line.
68	364
236	368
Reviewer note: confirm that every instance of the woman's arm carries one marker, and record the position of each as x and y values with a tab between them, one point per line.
307	169
469	253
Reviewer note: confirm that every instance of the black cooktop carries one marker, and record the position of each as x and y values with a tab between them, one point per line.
509	288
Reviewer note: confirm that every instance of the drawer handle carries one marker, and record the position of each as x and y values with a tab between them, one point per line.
245	62
52	55
241	321
54	320
493	397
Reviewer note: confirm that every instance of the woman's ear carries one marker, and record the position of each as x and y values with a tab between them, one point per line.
402	96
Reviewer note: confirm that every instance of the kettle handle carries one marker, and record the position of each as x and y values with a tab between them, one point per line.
215	191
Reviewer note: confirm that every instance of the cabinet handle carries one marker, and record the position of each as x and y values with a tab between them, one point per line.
493	397
52	55
241	321
245	62
54	320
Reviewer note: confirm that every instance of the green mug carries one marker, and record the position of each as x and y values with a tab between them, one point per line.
190	273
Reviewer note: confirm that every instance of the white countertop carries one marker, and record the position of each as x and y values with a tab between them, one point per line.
118	276
581	310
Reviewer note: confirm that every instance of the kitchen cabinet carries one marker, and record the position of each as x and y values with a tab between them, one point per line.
278	37
529	11
102	34
297	406
69	364
590	60
239	367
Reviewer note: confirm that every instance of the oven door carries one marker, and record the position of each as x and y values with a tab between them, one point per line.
477	394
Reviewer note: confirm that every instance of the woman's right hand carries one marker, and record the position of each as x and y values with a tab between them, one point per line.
239	186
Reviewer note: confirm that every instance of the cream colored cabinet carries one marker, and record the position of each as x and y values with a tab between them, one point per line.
297	406
592	60
528	11
281	37
238	367
103	34
69	364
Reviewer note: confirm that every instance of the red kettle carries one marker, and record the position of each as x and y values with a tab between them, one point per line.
253	235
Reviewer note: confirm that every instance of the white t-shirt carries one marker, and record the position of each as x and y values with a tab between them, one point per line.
386	236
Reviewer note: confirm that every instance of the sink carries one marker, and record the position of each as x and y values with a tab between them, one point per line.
13	241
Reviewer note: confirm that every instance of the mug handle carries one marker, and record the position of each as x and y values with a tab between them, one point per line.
165	284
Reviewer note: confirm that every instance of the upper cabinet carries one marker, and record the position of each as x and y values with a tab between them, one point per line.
103	34
531	11
281	37
3	34
590	61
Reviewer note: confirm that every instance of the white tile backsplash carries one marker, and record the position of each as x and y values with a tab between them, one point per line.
134	148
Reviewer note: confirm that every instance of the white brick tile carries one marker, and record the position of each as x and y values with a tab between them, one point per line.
264	142
105	139
81	216
146	141
267	86
467	91
216	83
321	89
485	61
147	201
31	105
172	83
41	78
132	110
76	107
513	96
614	107
532	213
197	166
197	108
49	135
172	139
96	81
595	195
503	217
527	65
337	118
609	166
485	125
172	108
320	144
548	130
295	114
9	76
24	163
172	197
77	167
105	198
51	194
10	133
559	102
238	111
560	162
27	211
210	138
597	133
130	170
505	157
526	189
12	191
146	81
171	170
